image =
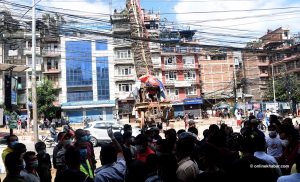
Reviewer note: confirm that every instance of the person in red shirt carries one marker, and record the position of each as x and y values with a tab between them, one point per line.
289	136
143	150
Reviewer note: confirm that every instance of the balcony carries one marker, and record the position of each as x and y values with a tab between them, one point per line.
38	67
154	47
28	51
52	71
51	39
29	35
119	17
50	53
263	64
121	28
156	66
192	82
181	83
120	78
173	97
170	82
170	67
263	75
124	61
122	44
190	66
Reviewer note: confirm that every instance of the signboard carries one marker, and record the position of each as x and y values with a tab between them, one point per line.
13	121
14	85
197	100
272	106
285	106
256	106
12	52
1	117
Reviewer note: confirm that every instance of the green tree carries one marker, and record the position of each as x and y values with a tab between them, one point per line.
7	22
54	22
287	88
46	95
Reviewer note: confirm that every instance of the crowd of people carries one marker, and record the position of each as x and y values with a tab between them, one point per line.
181	156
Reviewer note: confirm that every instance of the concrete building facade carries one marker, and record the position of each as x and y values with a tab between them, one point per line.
88	87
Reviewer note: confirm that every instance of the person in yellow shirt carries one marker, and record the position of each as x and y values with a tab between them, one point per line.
11	141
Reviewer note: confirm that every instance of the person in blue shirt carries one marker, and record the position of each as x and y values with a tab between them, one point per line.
260	115
292	177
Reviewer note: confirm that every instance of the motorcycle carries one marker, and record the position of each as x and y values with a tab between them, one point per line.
48	140
179	117
205	115
191	116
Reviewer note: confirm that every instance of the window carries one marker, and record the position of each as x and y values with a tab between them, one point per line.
123	71
80	96
170	61
125	87
38	60
52	64
101	45
191	91
171	75
188	60
38	78
190	75
79	63
124	54
102	78
171	91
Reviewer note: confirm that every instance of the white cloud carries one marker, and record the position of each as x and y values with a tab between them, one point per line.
257	25
80	7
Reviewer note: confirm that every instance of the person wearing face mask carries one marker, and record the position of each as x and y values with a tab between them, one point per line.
60	156
14	165
143	150
85	166
44	167
11	141
30	172
274	145
290	137
83	137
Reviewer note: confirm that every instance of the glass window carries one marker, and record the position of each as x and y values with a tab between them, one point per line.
171	75
101	45
188	60
191	91
124	54
79	96
102	78
124	71
171	91
190	75
125	87
170	60
79	63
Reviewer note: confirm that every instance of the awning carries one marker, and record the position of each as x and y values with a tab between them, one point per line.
13	67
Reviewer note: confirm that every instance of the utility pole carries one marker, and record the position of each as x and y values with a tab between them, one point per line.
110	7
234	85
273	79
33	77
